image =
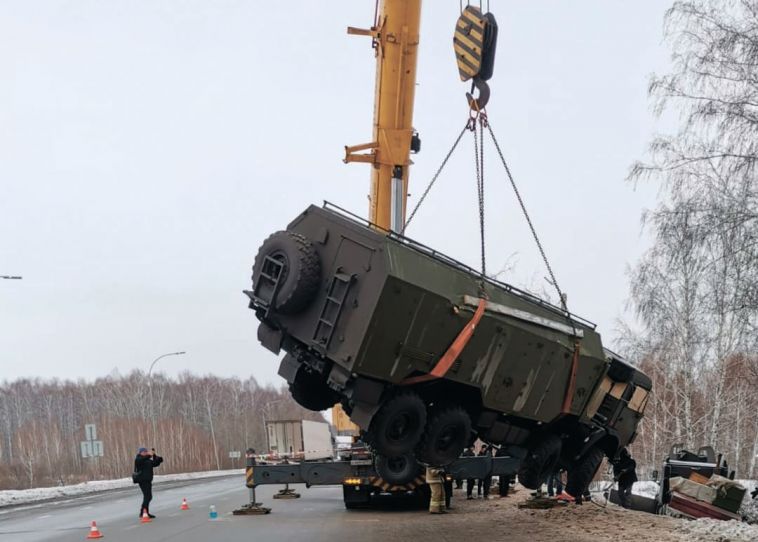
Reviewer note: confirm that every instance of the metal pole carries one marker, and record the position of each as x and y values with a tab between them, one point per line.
150	389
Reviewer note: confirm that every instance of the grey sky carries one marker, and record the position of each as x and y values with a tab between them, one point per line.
146	149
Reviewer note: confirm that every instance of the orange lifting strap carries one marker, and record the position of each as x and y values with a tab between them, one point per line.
452	353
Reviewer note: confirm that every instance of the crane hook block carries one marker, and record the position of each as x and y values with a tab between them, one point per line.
474	42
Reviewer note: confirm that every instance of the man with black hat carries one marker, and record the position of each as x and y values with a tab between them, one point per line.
144	464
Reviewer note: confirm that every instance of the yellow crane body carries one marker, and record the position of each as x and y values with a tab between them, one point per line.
395	39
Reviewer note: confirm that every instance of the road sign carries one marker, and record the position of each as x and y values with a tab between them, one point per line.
235	455
90	431
92	448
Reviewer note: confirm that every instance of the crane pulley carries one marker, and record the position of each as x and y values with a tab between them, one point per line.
475	42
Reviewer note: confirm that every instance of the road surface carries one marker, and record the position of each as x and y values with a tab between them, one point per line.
320	516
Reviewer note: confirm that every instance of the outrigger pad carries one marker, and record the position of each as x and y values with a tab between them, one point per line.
287	494
251	509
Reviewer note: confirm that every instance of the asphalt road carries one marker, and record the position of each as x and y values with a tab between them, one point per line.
318	515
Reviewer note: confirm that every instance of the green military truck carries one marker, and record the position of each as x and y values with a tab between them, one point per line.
426	354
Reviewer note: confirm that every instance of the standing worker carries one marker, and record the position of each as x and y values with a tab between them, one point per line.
625	473
434	477
503	481
447	486
486	482
470	482
144	464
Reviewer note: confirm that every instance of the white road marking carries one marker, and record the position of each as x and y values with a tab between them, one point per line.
45	516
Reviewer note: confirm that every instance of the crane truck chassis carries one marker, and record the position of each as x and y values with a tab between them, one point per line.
426	354
361	483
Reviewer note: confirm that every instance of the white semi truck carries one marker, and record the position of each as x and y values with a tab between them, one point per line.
299	440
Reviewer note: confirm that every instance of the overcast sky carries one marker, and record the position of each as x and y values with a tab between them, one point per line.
147	148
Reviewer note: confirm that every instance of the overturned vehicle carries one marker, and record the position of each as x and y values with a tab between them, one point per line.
425	354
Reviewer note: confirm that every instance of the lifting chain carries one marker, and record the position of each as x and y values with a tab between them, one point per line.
434	179
480	116
553	280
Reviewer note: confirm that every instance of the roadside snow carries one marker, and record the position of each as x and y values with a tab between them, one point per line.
647	489
713	530
24	496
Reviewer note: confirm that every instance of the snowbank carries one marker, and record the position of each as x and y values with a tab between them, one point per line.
713	529
647	489
24	496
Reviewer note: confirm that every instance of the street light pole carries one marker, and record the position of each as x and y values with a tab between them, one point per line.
150	387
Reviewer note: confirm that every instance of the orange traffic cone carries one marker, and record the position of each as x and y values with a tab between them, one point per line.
184	505
94	532
145	517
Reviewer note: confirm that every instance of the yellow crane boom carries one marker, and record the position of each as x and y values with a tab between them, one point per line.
395	36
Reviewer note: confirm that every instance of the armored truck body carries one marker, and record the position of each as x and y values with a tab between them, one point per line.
425	353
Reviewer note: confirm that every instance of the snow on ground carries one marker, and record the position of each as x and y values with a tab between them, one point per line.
713	530
24	496
647	489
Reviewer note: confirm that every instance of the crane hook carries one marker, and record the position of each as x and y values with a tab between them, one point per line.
480	102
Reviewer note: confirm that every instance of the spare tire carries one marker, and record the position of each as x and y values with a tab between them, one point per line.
397	469
300	275
447	433
540	461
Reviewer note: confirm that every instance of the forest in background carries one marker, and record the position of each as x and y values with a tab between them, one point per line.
695	291
198	421
694	296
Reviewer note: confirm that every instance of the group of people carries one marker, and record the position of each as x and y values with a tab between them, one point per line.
624	473
484	485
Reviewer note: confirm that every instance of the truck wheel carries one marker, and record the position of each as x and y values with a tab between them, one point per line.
447	433
310	391
579	478
397	469
397	427
301	272
540	462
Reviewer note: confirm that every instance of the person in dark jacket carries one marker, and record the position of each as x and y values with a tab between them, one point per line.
470	482
624	472
144	464
503	482
486	482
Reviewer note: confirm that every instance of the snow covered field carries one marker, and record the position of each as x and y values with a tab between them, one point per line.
25	496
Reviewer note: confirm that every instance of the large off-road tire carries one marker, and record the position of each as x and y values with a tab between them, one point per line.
397	427
301	273
397	469
579	477
540	462
446	435
310	391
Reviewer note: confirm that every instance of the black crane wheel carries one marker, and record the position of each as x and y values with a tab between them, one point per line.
446	435
300	274
310	391
398	469
579	477
397	427
540	461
